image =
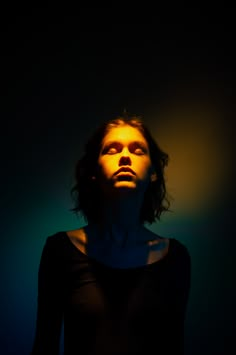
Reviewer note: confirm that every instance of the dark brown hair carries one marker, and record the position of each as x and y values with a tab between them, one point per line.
86	192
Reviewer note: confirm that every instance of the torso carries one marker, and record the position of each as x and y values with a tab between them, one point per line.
154	249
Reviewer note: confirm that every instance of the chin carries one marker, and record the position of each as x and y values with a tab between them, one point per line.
128	184
125	187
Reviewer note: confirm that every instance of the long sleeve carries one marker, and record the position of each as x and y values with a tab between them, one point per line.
181	283
50	302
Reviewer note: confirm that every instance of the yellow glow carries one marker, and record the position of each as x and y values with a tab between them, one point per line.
197	141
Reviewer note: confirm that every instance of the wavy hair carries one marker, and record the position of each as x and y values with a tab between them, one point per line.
86	192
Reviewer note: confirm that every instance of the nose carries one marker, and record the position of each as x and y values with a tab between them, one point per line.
125	158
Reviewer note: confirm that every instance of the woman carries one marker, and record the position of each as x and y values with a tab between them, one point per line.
120	288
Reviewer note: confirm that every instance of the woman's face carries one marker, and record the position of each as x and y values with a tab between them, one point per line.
124	161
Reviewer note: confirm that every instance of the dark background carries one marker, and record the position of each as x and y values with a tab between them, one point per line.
63	71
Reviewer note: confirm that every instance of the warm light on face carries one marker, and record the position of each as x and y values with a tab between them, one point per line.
124	148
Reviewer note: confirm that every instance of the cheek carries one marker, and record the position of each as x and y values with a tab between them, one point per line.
144	166
107	165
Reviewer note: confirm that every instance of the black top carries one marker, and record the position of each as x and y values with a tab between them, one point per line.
109	310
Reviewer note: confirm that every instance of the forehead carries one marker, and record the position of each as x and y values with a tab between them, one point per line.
124	134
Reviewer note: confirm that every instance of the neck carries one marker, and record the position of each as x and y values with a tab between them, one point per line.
120	223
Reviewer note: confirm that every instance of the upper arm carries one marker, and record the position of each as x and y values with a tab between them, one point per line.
50	303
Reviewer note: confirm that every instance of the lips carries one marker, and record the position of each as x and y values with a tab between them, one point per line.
125	170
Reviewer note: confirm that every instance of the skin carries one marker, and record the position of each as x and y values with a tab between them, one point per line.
124	146
120	237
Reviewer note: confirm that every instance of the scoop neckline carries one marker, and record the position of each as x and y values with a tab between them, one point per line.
104	265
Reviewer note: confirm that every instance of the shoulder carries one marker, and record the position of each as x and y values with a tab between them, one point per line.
180	251
154	238
54	246
77	235
55	239
78	238
181	265
52	264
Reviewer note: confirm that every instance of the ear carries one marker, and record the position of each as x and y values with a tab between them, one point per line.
153	177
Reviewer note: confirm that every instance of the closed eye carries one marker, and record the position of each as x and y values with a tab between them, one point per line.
136	147
139	151
111	150
114	150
